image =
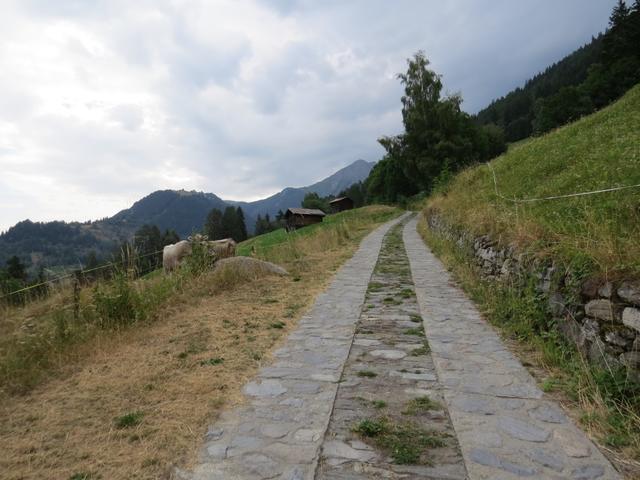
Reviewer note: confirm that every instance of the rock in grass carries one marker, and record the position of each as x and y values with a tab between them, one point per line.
601	309
630	292
631	318
250	267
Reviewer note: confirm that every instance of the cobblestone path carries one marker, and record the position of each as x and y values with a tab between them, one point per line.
358	391
279	431
390	383
505	427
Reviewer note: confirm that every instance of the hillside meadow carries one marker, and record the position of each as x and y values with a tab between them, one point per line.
598	232
133	400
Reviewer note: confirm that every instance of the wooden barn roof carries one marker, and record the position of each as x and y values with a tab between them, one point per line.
314	212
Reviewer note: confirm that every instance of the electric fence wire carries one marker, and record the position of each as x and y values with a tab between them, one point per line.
555	197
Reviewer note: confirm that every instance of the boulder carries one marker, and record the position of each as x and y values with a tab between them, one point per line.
616	338
590	288
249	267
606	290
630	292
602	356
631	318
556	304
572	331
601	309
590	329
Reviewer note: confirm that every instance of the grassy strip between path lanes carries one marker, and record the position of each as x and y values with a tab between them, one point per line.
407	443
604	403
131	400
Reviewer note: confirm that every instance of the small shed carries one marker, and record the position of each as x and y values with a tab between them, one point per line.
301	217
341	204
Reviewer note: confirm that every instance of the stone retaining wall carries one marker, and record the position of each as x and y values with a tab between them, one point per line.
602	318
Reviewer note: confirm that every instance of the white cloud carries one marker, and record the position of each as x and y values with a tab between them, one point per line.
103	102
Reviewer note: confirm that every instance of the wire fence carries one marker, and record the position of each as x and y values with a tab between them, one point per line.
82	273
555	197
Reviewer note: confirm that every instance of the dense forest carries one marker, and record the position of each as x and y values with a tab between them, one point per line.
584	81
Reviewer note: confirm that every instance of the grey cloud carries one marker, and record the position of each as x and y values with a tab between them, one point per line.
280	94
129	116
197	64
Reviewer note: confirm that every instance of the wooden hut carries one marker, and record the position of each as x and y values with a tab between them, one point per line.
341	204
301	217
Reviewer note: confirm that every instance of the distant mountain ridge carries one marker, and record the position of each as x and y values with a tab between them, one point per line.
292	197
51	244
179	210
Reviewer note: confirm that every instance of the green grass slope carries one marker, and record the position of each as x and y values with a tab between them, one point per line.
600	231
262	244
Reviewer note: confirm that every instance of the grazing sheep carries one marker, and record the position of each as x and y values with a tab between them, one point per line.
221	248
172	255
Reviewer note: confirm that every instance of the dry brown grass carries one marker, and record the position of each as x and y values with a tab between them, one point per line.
67	426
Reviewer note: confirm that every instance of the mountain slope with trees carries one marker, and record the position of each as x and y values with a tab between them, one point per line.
293	197
579	84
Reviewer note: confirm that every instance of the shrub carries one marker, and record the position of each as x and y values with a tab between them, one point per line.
129	420
117	304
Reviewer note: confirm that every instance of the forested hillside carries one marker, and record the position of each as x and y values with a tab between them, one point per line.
515	112
581	83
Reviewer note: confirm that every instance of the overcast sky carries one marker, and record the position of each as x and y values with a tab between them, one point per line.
104	102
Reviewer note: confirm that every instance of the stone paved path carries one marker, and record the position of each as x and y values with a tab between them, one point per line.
347	362
505	427
278	433
390	379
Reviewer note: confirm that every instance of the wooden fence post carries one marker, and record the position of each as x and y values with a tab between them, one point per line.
76	295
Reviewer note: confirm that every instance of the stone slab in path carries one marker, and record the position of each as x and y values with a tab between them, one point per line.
505	427
277	433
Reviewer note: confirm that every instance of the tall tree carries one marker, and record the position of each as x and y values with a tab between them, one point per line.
91	260
436	134
259	226
241	227
619	14
315	201
170	237
356	192
16	269
147	243
229	223
213	225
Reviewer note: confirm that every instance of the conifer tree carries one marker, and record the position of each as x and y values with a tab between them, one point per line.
241	233
213	225
229	223
16	269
